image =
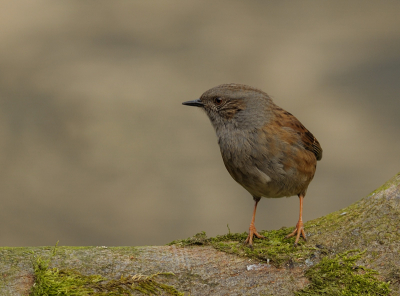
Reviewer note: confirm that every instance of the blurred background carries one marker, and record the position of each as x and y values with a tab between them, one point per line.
96	148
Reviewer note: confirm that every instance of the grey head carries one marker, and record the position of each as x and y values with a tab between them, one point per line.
235	106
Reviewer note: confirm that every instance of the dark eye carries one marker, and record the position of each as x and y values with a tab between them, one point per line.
217	101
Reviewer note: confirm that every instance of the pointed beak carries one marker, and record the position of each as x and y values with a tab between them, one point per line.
196	103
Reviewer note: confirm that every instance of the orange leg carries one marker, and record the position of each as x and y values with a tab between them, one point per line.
252	228
299	226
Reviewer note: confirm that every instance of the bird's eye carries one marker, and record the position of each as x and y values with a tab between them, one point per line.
217	101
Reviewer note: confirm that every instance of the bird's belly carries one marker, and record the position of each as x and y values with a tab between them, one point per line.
262	185
269	171
273	180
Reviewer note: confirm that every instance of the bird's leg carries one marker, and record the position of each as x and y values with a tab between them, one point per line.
299	226
252	228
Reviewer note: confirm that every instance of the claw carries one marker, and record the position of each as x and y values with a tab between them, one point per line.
299	231
252	232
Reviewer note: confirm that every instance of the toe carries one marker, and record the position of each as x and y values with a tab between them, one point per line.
298	232
252	232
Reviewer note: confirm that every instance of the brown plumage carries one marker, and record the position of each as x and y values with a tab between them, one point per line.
264	148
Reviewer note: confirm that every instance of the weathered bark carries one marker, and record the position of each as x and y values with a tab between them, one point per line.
371	224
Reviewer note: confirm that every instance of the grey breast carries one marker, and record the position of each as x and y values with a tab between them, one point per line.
251	165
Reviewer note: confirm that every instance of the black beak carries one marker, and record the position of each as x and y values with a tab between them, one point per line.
196	103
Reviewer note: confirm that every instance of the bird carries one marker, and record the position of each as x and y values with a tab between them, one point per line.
265	149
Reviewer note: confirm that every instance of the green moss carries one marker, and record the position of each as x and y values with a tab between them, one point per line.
362	224
198	239
275	249
341	276
395	181
54	281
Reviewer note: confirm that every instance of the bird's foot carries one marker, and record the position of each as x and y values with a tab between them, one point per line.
252	232
299	231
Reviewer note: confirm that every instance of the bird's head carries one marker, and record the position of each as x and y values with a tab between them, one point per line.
234	106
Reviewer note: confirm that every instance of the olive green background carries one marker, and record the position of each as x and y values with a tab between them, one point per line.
96	148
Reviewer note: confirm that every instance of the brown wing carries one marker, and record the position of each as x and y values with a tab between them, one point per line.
310	143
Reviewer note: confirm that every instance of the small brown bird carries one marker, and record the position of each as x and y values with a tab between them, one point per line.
264	148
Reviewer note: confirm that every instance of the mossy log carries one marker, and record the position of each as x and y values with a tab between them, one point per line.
222	265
